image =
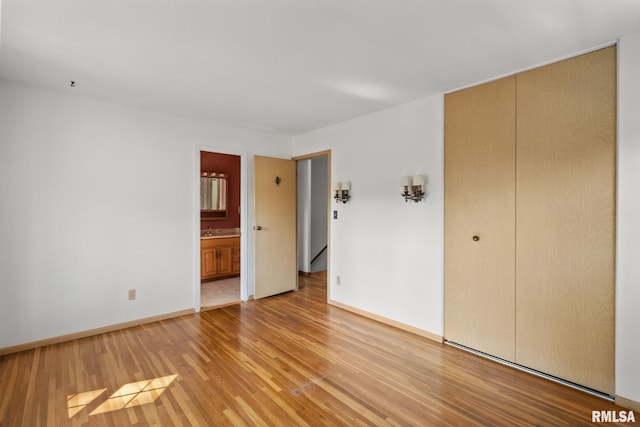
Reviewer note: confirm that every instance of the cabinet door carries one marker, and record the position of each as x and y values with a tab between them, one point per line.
235	258
208	262
479	288
566	153
224	260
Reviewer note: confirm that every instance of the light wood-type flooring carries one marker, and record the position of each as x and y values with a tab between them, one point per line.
288	360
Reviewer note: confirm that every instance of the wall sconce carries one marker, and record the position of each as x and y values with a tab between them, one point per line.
341	191
413	187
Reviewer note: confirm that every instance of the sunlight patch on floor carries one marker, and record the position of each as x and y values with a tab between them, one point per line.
77	402
129	395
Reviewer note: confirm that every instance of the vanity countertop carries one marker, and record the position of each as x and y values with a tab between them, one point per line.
219	233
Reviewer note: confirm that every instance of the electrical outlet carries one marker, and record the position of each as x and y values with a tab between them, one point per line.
132	294
338	280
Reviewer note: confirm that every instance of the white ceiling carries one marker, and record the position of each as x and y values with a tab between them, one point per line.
291	65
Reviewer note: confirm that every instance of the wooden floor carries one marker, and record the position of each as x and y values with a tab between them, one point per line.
289	360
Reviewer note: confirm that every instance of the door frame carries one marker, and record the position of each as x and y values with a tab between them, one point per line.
244	289
310	156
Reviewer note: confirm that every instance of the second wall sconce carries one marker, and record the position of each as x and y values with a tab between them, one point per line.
341	191
413	187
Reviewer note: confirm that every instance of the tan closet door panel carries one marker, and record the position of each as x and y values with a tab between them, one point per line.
566	157
479	201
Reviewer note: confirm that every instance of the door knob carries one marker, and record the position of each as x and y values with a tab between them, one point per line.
475	238
257	227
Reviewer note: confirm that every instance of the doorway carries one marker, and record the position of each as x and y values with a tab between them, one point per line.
314	203
220	188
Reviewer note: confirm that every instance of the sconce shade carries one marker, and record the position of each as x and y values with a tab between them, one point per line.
341	190
413	188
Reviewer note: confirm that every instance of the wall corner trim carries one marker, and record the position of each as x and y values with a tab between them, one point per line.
386	321
91	332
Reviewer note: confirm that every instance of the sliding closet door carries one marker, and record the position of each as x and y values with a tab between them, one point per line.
565	208
479	237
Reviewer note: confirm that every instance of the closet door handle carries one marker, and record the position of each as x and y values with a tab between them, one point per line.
475	238
257	227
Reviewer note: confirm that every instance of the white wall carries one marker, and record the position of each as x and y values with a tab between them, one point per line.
312	213
318	232
303	189
98	198
388	253
628	238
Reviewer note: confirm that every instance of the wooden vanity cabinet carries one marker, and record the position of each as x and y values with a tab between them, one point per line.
219	257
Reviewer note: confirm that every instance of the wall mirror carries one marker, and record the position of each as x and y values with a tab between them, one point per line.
213	195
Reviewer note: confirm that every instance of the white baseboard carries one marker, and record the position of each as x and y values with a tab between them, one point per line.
88	333
628	403
381	319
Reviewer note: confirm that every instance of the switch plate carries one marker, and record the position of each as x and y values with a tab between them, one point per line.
335	214
132	294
